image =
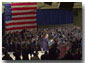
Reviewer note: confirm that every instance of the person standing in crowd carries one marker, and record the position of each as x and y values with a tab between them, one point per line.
6	45
6	56
44	43
32	47
11	45
25	51
17	55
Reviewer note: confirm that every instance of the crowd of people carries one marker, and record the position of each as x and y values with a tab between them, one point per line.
57	43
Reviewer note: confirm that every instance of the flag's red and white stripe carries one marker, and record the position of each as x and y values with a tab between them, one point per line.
23	16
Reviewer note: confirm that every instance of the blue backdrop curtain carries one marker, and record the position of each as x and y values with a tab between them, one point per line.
54	16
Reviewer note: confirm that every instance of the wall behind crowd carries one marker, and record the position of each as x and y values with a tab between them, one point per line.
77	17
51	15
54	17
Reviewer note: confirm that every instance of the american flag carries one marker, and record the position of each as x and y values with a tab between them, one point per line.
20	15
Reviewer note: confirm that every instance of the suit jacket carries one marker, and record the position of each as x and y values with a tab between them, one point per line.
44	44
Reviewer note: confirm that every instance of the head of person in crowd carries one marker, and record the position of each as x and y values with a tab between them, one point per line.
46	36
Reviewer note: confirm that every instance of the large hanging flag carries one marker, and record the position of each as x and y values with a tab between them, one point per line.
20	15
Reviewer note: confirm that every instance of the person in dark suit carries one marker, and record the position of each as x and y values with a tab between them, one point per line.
44	43
7	56
11	45
17	55
23	33
25	51
6	45
17	52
